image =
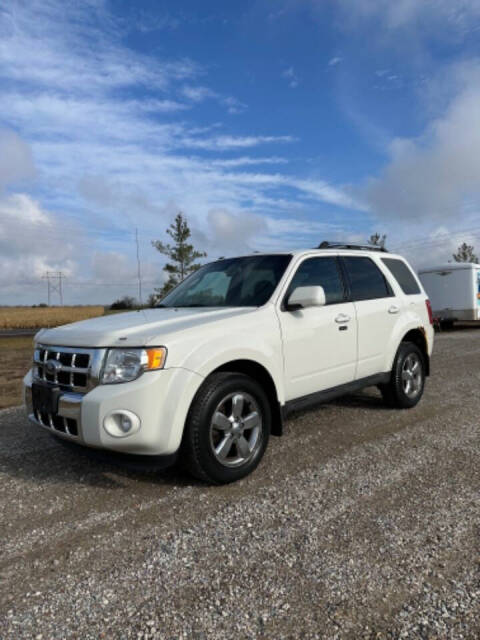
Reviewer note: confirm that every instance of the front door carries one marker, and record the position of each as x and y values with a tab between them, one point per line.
319	343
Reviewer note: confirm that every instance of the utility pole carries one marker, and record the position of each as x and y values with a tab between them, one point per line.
54	284
139	273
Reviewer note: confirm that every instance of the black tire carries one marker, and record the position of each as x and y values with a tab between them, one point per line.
199	453
446	325
394	392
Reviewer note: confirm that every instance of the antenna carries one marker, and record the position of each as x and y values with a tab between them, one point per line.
139	273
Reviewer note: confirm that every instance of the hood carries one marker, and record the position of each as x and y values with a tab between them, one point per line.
135	328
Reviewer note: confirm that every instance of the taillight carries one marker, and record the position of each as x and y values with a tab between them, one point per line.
429	310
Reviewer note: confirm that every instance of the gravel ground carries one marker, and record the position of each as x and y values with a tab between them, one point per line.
361	522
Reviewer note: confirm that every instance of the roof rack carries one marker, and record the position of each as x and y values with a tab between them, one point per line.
343	245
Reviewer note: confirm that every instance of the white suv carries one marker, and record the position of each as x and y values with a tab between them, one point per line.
215	369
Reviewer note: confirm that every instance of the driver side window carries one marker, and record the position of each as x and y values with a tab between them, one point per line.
323	272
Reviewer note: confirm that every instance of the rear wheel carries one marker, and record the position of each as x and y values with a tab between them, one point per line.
227	428
407	380
446	325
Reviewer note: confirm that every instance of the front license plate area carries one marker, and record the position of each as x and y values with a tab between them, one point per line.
44	398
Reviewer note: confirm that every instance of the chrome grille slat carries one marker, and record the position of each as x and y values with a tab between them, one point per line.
52	422
72	381
70	369
69	376
74	358
55	375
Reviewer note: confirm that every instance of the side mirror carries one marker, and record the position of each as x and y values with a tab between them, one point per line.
303	297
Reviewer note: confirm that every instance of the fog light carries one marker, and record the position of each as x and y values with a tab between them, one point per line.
121	423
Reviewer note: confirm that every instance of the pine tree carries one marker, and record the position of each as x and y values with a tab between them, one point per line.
465	253
182	254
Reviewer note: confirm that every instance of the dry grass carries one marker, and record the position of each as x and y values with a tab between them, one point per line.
40	317
15	358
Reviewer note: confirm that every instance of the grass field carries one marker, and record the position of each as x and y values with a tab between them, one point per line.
40	317
15	358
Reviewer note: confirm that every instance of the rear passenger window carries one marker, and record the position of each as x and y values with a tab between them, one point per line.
323	272
367	282
402	275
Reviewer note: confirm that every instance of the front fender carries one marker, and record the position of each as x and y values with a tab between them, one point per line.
253	336
209	357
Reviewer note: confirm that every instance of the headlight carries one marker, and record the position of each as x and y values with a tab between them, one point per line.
124	365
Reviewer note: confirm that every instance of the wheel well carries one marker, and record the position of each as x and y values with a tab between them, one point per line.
417	336
262	376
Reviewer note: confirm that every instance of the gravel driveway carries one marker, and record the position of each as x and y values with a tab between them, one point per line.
362	522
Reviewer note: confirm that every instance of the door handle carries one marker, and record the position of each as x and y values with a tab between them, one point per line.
393	309
342	318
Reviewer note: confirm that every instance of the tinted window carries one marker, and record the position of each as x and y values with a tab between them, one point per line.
402	275
322	272
235	282
367	282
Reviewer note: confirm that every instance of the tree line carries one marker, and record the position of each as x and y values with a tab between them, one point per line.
183	260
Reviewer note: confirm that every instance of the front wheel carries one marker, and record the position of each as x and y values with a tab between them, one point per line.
407	381
227	428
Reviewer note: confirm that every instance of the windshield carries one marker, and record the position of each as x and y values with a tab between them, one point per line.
235	282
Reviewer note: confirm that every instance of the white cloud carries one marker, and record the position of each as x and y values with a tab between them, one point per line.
395	15
291	76
234	233
30	244
438	246
247	160
40	46
437	174
16	161
198	93
334	61
34	241
226	142
106	163
233	105
147	21
201	93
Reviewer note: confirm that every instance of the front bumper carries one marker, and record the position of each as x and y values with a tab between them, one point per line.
160	399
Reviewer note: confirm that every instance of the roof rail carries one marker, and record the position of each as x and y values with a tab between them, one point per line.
344	245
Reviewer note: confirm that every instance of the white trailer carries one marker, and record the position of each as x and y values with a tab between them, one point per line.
454	291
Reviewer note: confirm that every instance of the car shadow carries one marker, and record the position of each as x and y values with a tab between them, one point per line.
38	456
31	452
363	400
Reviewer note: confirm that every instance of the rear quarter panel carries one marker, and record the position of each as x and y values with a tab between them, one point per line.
414	314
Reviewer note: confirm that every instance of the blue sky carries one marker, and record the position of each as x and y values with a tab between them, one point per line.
272	124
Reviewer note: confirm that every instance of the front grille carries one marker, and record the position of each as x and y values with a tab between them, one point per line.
67	367
56	422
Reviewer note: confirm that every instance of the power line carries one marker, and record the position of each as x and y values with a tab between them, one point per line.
54	284
436	240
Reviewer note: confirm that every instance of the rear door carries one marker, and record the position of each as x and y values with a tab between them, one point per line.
414	296
319	343
377	311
